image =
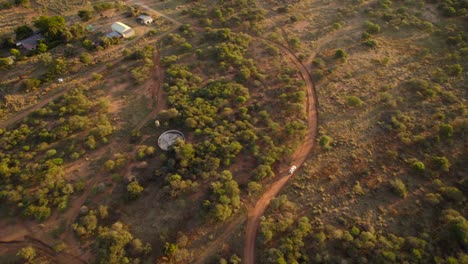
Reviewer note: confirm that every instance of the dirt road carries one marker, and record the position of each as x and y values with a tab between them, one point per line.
299	157
177	23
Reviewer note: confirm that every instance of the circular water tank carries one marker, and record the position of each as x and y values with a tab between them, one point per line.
168	139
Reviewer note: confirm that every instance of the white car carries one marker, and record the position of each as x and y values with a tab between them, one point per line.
292	169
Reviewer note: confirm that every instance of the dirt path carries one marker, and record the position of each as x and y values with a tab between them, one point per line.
177	23
157	93
299	157
9	247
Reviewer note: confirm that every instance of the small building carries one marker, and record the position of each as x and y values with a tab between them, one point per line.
113	34
122	29
30	43
144	19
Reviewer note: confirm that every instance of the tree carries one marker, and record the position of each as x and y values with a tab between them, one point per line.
6	62
446	130
262	171
23	3
42	48
15	52
103	211
27	253
170	249
134	189
441	163
253	187
168	114
454	70
53	27
340	54
354	101
419	166
399	188
85	15
372	28
23	32
85	58
111	244
325	141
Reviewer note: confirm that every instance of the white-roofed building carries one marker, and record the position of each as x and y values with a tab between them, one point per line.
144	19
122	29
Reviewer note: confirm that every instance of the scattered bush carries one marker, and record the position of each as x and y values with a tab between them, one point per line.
134	190
325	141
418	166
340	54
85	15
372	28
354	101
370	43
399	188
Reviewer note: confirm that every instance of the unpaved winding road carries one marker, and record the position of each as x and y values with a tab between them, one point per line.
299	157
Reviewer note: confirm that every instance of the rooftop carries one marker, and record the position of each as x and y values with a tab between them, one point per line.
31	42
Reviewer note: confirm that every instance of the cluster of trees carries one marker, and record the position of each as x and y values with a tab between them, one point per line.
226	197
7	4
219	112
350	241
206	110
144	56
452	8
33	154
284	234
55	30
115	244
112	241
237	14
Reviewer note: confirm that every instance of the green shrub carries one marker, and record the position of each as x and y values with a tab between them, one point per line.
27	253
85	58
454	70
399	188
134	189
418	166
441	163
372	28
29	84
354	101
370	43
453	194
340	54
325	141
23	3
446	130
23	32
85	15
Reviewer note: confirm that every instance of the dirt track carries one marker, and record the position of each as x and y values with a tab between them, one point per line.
299	157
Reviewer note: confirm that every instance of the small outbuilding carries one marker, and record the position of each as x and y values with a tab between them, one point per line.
113	34
144	19
30	43
122	29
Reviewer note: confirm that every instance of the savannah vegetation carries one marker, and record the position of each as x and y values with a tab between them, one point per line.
386	181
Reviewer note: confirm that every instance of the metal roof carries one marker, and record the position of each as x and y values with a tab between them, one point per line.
120	27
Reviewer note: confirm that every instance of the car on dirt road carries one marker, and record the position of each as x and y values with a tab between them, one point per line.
292	169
